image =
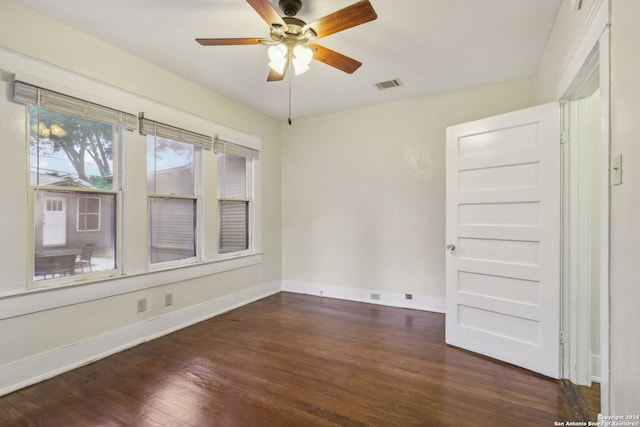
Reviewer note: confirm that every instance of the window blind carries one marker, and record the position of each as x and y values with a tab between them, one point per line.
150	127
29	94
172	229
226	147
234	226
233	203
232	177
234	195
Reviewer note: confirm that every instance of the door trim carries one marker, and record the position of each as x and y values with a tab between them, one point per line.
578	76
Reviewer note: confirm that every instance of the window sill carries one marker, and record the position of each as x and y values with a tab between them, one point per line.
87	289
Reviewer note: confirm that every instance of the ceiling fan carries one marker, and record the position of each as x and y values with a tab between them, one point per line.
290	40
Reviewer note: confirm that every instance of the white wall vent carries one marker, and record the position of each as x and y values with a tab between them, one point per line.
389	84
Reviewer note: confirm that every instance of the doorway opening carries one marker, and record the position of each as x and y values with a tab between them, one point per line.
585	218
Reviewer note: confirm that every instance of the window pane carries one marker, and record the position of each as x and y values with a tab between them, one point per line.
234	231
69	151
88	213
92	222
172	229
169	167
232	176
63	247
93	205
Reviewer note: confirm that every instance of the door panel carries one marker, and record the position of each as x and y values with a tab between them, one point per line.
54	224
503	218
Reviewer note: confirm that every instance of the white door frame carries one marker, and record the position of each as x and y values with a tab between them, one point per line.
588	63
578	237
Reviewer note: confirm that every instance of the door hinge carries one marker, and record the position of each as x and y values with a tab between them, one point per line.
563	337
563	136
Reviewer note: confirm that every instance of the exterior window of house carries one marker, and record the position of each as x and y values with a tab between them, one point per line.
235	196
88	214
172	186
73	152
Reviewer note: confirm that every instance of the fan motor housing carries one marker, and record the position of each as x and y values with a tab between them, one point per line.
290	7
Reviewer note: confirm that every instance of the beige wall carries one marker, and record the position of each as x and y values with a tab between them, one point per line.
60	326
364	192
625	208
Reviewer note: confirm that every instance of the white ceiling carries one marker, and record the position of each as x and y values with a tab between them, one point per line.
432	46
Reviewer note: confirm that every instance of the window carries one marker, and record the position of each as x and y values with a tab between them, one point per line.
235	194
88	214
73	152
172	176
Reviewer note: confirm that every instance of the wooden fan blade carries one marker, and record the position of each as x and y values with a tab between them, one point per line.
269	13
335	59
350	16
275	76
228	41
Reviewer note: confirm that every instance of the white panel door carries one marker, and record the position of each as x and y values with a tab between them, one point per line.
503	231
54	224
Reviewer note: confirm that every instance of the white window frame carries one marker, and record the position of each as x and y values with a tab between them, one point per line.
252	156
131	273
70	280
199	142
248	199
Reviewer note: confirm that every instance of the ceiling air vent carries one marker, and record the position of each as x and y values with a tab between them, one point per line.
389	84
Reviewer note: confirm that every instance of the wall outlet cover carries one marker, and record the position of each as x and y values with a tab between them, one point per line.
142	305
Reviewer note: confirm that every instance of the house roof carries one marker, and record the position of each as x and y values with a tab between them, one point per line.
58	180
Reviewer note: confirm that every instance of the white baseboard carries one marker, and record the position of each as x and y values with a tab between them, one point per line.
39	367
393	299
595	368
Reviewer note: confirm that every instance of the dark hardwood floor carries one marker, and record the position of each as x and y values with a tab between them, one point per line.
295	360
591	397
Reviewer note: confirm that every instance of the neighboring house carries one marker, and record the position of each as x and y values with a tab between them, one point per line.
71	220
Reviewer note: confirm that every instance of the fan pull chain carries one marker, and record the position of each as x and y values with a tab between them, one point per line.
290	80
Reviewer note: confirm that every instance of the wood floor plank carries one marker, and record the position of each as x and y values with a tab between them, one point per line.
292	360
591	396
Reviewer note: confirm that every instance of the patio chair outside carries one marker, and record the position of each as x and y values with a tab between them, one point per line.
84	259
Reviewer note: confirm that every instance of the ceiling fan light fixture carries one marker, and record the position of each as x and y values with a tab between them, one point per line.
58	131
299	68
302	56
309	34
43	131
288	32
278	53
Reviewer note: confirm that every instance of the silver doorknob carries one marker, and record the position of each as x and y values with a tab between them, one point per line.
451	247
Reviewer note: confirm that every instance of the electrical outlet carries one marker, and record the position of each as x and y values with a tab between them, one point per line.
408	296
168	300
142	305
375	296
